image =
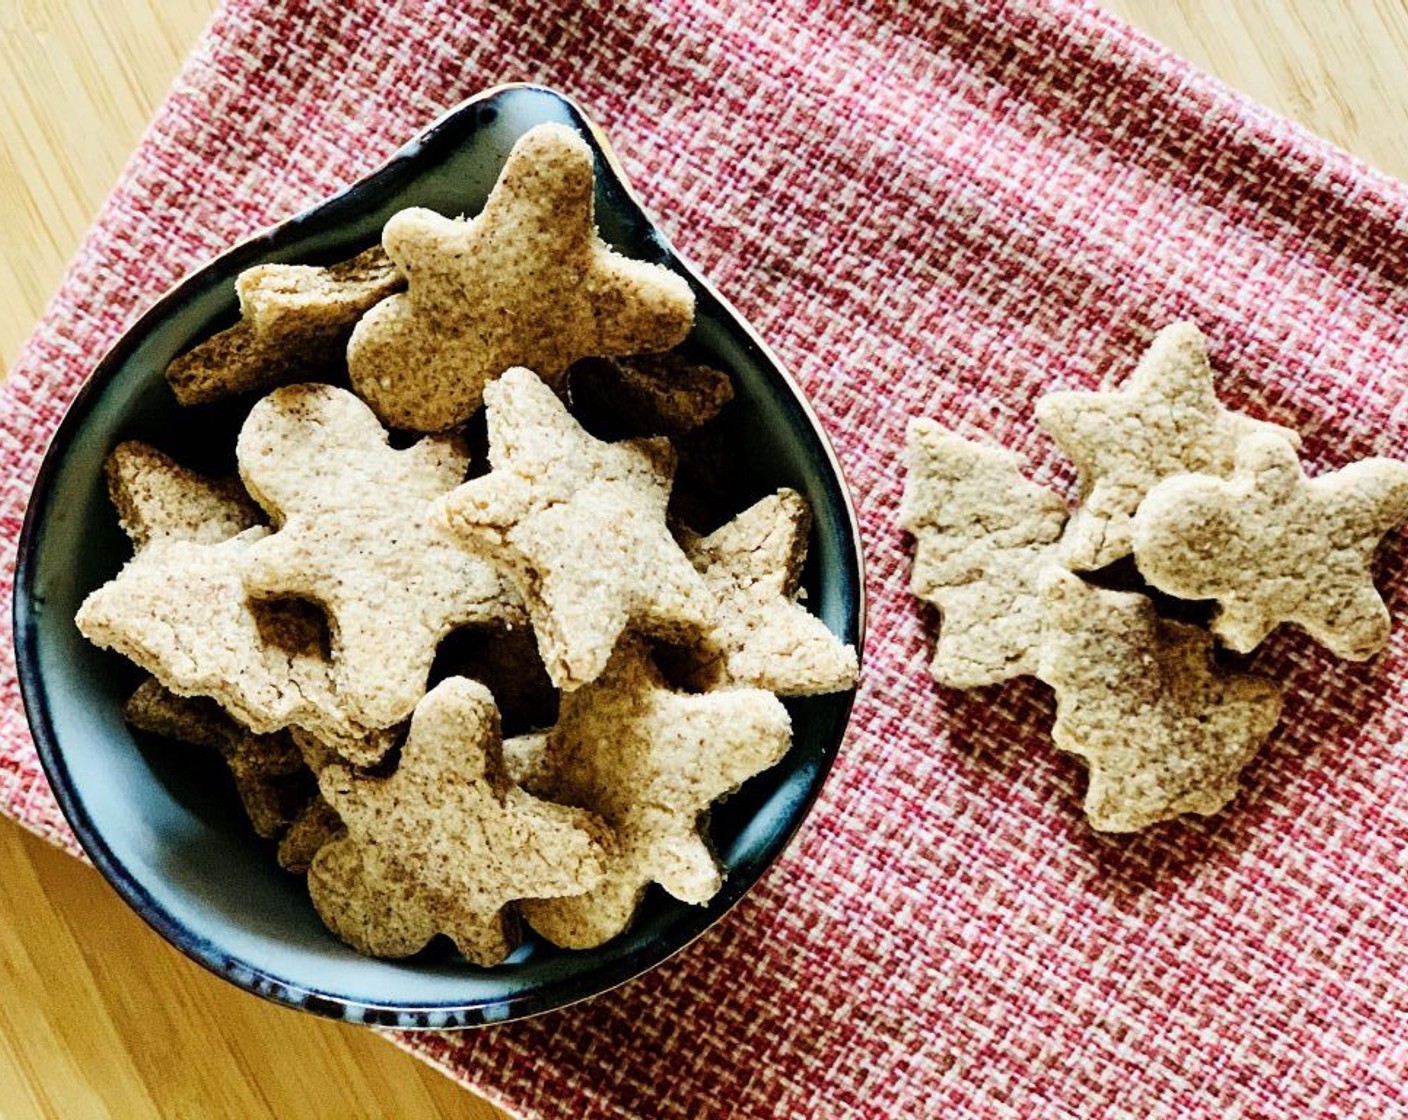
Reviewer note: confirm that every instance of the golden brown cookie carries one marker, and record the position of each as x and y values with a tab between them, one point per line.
355	534
579	526
273	784
1273	546
318	824
649	762
648	395
528	282
158	499
762	636
294	324
983	534
1164	421
1162	731
447	842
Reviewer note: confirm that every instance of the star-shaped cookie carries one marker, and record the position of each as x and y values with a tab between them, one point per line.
1137	697
158	499
294	324
983	534
762	637
1165	420
446	842
357	536
648	761
273	784
579	525
526	282
1273	546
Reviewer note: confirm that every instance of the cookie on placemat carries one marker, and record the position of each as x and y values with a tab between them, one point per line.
648	761
1165	420
649	395
357	536
294	323
983	534
158	499
1162	731
527	282
446	843
1273	546
273	784
579	525
762	637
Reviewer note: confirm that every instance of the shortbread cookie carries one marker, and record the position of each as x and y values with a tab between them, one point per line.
1165	420
158	499
527	282
579	525
1273	546
762	637
273	784
1161	730
648	761
649	395
355	534
983	534
316	825
294	324
446	842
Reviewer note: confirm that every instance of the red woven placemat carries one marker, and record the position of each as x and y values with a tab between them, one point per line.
927	208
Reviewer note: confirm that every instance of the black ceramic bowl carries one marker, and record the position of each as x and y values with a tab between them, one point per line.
160	825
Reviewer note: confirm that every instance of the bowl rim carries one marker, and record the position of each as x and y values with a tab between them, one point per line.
422	1014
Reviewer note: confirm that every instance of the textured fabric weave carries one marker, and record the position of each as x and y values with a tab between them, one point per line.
937	208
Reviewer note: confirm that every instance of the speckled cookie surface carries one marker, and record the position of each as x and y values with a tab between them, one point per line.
158	499
579	525
526	282
1272	546
983	534
762	636
294	323
316	825
1163	421
648	761
355	534
1161	730
446	842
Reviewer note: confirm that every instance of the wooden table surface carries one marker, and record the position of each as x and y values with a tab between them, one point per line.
100	1017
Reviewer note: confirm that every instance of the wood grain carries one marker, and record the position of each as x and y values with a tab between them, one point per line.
100	1017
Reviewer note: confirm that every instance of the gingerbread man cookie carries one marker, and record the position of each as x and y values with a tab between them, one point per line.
527	282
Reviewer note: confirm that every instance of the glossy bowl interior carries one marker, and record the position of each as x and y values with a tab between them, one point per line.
164	827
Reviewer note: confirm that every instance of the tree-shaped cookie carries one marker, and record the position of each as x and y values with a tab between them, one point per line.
762	636
355	534
1162	731
1165	420
527	282
648	761
579	525
294	324
1273	546
983	534
446	842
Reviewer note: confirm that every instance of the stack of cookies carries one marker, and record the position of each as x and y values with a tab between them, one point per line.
1212	506
357	619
